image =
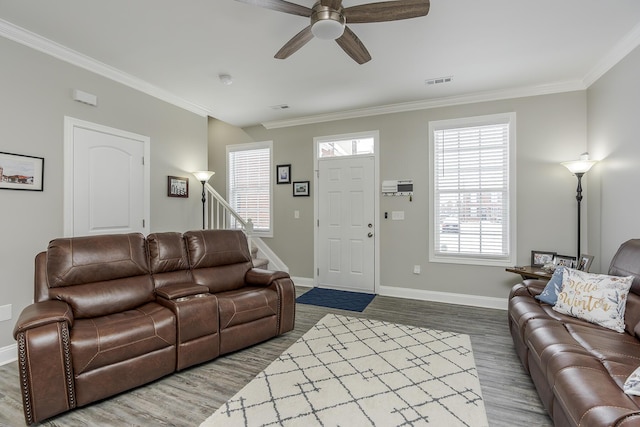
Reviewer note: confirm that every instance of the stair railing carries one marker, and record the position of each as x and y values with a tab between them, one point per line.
222	216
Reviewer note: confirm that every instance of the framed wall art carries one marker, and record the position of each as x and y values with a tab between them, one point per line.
540	258
177	186
301	189
20	172
283	174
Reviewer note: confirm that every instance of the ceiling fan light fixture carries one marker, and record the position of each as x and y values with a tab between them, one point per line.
327	29
327	23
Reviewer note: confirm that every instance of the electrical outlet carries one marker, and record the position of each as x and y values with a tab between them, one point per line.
5	312
416	269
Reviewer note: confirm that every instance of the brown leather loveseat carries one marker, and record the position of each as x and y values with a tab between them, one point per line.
579	368
115	312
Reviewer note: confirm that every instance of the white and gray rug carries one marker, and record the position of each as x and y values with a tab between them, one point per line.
347	371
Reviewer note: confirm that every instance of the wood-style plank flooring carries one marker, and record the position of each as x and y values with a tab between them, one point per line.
187	398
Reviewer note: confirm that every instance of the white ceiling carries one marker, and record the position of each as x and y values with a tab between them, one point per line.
176	49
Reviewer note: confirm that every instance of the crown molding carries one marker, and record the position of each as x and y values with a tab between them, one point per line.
522	92
63	53
615	55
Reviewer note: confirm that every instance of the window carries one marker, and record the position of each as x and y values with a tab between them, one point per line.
471	206
346	146
249	184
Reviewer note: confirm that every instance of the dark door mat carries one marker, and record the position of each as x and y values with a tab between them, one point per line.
342	300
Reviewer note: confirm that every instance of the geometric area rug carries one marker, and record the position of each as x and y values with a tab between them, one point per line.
334	298
347	371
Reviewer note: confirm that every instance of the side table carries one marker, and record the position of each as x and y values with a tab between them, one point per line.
529	272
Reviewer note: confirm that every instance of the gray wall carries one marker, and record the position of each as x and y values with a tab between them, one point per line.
614	134
550	129
35	96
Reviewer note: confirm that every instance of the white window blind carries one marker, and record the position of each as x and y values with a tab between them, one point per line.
249	183
471	200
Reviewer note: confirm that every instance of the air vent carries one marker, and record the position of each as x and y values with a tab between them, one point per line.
438	80
279	107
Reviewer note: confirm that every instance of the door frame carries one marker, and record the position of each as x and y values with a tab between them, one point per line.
70	124
376	199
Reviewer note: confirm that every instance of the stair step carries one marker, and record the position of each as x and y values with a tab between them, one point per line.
260	263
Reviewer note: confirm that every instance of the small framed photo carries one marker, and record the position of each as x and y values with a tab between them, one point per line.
565	261
20	172
301	189
283	174
541	258
177	186
584	263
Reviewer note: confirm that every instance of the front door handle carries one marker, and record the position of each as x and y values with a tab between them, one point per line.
370	234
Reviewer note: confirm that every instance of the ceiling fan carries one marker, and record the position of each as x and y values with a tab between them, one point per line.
329	19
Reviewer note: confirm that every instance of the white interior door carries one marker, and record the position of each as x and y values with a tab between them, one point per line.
106	180
346	229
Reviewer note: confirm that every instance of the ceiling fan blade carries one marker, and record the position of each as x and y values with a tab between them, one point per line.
352	45
280	6
295	43
386	11
333	4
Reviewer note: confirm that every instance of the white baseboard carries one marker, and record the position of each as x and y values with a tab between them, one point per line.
446	297
419	294
8	354
303	281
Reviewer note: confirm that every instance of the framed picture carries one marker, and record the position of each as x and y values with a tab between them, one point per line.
301	189
540	258
177	186
584	263
283	174
565	261
20	172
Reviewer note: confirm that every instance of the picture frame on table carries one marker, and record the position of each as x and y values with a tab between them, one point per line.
177	186
584	262
301	189
21	172
541	258
283	174
565	261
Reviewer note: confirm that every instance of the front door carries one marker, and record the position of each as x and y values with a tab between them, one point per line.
106	180
346	213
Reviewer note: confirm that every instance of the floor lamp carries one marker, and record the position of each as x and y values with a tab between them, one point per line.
203	177
579	168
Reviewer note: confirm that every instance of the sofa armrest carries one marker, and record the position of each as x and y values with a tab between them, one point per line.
181	290
43	313
261	277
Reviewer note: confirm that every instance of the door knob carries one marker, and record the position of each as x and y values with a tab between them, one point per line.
370	234
370	225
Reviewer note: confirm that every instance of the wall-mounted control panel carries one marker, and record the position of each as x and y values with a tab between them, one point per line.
397	187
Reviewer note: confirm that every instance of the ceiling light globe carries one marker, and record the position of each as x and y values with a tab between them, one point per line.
327	29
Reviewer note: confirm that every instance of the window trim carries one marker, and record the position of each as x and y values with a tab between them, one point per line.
477	259
254	146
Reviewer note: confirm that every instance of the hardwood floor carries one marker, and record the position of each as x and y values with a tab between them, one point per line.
187	398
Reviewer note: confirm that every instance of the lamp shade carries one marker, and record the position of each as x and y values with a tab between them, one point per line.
203	176
581	166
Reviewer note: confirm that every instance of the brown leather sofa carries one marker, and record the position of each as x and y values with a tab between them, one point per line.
579	368
118	311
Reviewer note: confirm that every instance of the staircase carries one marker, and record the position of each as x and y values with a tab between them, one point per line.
221	216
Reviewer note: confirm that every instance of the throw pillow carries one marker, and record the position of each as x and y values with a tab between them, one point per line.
632	384
551	291
596	298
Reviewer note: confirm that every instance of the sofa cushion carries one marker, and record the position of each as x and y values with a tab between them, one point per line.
246	305
99	275
168	259
114	338
553	288
596	298
219	258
